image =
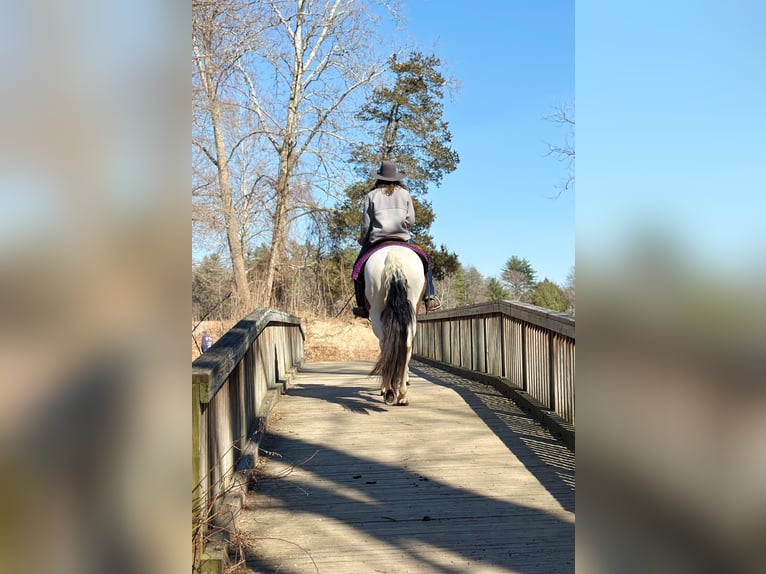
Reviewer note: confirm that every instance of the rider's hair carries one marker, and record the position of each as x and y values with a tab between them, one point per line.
389	186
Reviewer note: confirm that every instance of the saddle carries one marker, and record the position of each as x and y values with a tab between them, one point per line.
359	265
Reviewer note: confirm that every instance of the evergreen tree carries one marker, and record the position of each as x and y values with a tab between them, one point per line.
549	295
405	125
519	276
496	291
212	285
408	124
443	262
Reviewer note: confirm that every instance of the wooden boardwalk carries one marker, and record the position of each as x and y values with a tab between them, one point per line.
459	481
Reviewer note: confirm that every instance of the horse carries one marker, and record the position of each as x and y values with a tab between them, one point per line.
394	285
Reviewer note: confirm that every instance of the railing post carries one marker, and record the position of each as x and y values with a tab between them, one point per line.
486	343
523	356
197	494
502	347
472	345
551	372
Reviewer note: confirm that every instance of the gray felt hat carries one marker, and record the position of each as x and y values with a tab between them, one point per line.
388	172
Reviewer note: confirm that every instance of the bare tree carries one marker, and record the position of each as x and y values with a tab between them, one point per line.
217	45
563	116
312	58
569	289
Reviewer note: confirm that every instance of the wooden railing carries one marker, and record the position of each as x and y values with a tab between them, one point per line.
528	348
234	386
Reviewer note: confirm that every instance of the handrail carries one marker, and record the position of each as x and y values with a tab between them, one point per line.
212	368
562	323
530	350
234	386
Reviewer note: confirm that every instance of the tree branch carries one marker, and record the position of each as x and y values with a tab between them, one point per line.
209	155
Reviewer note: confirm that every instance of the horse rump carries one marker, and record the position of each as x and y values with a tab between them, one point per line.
395	319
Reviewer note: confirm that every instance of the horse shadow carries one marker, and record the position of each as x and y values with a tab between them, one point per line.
362	399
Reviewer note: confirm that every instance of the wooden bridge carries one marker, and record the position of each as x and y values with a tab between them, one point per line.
301	467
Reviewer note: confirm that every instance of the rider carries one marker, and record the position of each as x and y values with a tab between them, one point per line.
388	214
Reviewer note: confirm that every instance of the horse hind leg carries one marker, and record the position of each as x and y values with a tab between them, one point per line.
402	399
388	393
405	382
401	391
396	394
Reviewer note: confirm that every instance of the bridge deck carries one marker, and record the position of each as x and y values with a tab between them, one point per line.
459	481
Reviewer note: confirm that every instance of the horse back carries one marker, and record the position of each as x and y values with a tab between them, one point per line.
395	263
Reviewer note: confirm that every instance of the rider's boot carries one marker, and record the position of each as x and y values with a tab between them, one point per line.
432	303
431	300
361	304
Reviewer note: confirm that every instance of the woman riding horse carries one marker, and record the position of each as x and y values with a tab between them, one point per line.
388	214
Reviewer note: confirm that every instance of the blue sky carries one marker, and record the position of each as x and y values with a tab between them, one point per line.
670	129
515	64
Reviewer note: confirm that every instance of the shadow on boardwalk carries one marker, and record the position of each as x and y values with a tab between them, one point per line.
426	488
543	454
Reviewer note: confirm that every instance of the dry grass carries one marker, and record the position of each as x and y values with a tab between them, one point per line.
342	339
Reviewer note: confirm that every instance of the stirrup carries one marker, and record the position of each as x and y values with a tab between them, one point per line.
361	312
433	303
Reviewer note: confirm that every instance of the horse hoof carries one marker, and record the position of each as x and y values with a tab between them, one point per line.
404	401
390	398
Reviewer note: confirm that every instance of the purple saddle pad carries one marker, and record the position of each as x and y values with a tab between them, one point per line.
359	265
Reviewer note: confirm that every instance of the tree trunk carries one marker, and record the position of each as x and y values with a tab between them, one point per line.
241	286
279	231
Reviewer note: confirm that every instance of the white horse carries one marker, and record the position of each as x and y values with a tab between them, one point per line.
394	285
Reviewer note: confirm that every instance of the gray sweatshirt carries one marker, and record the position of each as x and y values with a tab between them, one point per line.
386	216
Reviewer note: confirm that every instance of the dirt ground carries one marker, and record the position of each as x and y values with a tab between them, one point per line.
342	339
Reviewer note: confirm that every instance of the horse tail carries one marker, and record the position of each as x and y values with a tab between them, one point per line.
396	319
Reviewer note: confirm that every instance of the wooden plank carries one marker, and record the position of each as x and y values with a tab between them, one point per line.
460	480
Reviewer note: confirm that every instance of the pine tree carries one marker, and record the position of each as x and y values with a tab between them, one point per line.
212	285
519	276
549	295
405	125
496	291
